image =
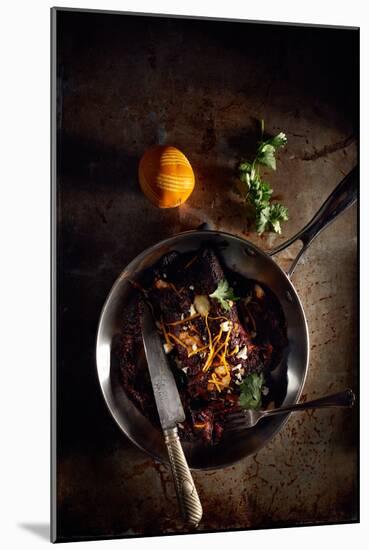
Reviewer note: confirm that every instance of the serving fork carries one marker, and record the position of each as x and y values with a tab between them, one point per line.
246	418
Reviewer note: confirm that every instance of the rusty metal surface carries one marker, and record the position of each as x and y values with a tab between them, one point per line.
125	83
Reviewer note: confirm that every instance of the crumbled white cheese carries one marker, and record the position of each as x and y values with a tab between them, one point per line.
191	287
194	347
192	310
182	316
230	302
237	367
185	370
238	376
167	348
242	354
238	382
226	325
164	275
264	390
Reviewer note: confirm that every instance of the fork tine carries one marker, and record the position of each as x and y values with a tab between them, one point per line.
235	422
238	428
235	416
238	422
240	419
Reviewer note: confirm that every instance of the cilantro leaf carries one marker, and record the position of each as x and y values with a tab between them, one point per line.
224	294
266	151
258	193
280	140
277	213
245	167
262	219
250	391
266	156
270	217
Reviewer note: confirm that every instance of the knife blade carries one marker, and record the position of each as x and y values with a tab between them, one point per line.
168	401
170	409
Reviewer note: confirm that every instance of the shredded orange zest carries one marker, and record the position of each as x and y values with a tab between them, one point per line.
217	350
195	352
211	345
184	320
217	318
233	352
218	337
178	292
199	425
167	341
223	356
217	382
207	327
223	345
194	329
190	262
171	335
208	359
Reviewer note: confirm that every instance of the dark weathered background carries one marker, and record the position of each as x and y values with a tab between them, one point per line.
125	83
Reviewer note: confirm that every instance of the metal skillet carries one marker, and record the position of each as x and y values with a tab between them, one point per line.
250	261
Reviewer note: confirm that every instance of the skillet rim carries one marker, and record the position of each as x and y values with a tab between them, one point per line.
171	240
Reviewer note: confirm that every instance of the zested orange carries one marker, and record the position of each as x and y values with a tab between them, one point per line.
166	176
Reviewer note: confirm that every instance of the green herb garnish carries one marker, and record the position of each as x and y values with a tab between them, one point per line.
250	396
258	193
224	294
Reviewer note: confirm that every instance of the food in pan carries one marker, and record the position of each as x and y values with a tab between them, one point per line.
223	336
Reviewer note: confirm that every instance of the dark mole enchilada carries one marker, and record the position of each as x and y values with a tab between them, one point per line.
212	346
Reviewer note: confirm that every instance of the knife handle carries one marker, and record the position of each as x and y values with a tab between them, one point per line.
188	498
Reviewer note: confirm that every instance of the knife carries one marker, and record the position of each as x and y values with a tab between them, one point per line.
170	409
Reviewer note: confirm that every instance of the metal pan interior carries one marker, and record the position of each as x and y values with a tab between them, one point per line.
249	261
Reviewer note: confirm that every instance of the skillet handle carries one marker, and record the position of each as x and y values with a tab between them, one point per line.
188	498
342	399
344	195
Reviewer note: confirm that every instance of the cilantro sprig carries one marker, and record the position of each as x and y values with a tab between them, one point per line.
224	294
250	391
257	192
